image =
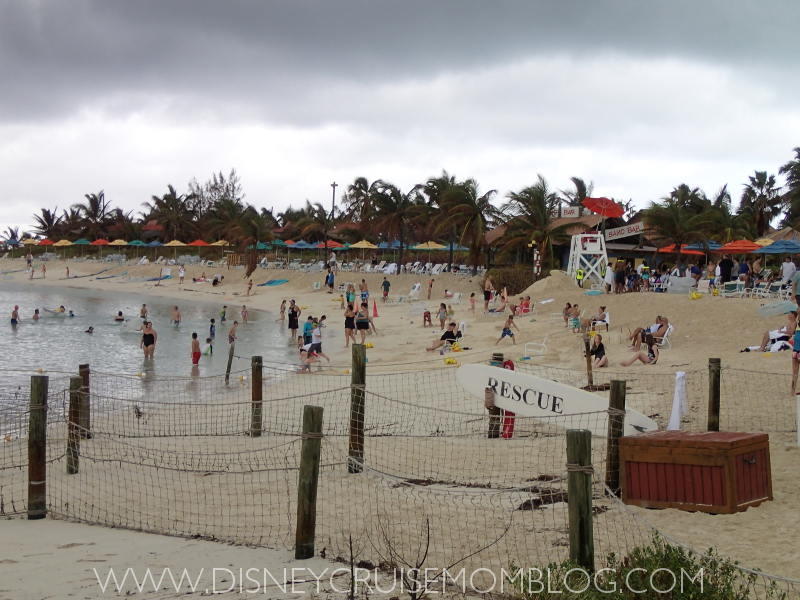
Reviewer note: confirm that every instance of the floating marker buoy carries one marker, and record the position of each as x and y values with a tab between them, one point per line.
347	370
138	374
40	371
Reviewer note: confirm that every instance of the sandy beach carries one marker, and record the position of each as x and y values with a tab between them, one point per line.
755	396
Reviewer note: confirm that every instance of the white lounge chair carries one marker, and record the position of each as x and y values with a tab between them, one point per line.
317	286
456	299
606	322
536	347
390	269
665	343
436	268
415	292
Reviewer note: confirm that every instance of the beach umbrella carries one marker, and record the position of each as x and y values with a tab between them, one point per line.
175	244
671	250
709	245
764	242
101	242
137	244
155	244
221	243
199	243
780	247
30	242
46	243
81	242
63	244
604	207
118	242
363	245
739	247
428	246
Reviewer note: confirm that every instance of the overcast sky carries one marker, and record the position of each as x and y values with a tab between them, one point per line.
637	96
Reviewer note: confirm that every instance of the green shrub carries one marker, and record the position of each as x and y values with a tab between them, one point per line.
515	279
721	580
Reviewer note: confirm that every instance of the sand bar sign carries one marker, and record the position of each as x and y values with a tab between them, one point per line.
625	231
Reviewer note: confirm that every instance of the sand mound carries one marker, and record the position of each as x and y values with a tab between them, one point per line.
557	283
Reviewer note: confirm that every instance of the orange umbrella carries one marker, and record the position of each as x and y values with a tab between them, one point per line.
739	247
46	243
671	250
198	243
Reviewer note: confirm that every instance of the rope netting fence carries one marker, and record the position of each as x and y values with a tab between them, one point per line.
181	457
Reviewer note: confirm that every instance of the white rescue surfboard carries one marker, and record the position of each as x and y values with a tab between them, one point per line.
560	404
773	309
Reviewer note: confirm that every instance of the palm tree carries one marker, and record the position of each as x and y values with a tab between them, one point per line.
582	191
722	225
317	222
11	233
174	213
528	216
249	229
672	222
47	224
434	190
762	200
472	213
222	219
690	199
792	198
393	212
129	227
71	222
358	198
94	213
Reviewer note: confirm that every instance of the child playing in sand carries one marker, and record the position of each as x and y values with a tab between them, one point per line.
442	315
450	312
426	319
472	302
341	302
232	333
507	330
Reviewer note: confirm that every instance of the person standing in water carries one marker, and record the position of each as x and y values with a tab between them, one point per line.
294	316
283	312
244	314
222	313
36	315
143	312
195	349
249	287
176	316
15	315
67	272
44	271
232	332
212	330
149	339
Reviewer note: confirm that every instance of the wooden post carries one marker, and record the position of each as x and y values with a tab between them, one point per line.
616	428
358	380
714	373
256	391
307	479
588	352
37	449
74	425
230	362
86	403
579	498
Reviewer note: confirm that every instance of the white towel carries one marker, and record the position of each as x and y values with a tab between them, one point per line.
679	407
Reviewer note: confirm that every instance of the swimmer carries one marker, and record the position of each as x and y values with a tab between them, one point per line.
232	333
143	312
15	315
222	313
195	349
71	314
207	349
212	330
283	312
90	330
119	317
149	339
176	316
61	309
36	315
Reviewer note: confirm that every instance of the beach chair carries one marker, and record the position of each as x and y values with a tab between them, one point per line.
381	266
463	270
390	269
462	329
294	265
316	287
427	268
665	343
456	299
536	347
5	256
704	286
209	263
415	291
444	267
557	317
223	262
436	268
732	289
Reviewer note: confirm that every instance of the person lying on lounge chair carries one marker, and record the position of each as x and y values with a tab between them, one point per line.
658	330
779	335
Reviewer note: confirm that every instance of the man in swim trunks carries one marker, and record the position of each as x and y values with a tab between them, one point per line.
195	349
385	285
364	290
15	315
176	316
232	333
143	312
487	293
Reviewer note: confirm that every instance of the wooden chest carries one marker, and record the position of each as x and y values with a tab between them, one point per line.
714	472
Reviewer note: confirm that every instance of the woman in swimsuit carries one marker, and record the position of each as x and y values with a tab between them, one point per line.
648	358
598	351
349	326
283	312
149	339
362	320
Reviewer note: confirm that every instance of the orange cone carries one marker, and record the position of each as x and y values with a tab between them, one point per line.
374	308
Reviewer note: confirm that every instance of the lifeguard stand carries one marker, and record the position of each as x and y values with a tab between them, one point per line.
588	252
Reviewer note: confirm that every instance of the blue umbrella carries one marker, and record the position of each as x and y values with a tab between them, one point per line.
709	245
780	247
155	244
455	247
302	245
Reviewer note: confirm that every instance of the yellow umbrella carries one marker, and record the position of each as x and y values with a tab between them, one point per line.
761	242
29	242
118	242
429	246
221	243
364	245
175	244
63	244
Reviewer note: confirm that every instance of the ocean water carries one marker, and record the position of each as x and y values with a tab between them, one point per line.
58	343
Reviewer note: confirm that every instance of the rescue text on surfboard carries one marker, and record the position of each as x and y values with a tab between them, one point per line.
526	395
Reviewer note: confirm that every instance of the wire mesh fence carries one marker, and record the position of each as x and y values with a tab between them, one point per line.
183	457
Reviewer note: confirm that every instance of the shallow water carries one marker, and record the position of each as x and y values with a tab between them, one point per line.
58	343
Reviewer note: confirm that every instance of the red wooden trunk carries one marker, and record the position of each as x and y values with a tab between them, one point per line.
714	472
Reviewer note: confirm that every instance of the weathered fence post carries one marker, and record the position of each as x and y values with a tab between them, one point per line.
588	353
256	391
74	425
230	362
358	380
579	497
714	374
37	449
307	480
616	428
86	402
495	414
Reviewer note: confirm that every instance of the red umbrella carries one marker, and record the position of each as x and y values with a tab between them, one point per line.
100	242
46	243
604	207
671	249
199	243
739	247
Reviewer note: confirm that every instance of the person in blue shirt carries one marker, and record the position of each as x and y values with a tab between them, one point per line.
308	327
212	330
